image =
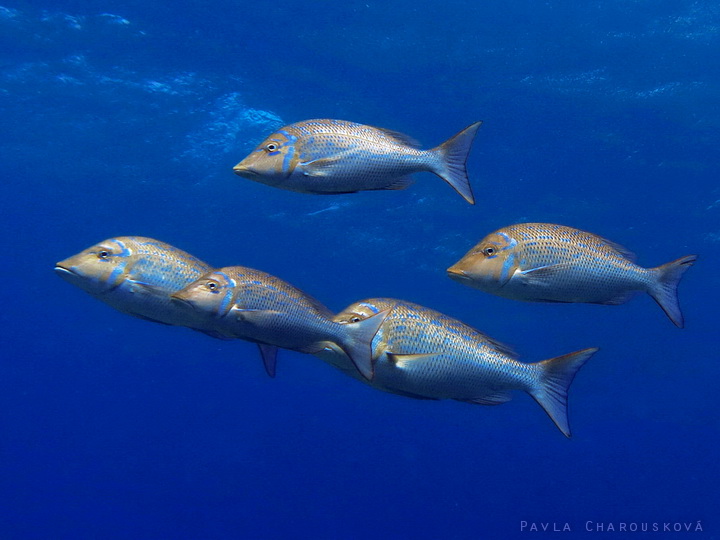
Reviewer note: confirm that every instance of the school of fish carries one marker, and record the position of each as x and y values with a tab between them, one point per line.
392	345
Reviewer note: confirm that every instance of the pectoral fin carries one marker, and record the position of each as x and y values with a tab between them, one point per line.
269	357
541	274
400	360
326	166
254	316
148	288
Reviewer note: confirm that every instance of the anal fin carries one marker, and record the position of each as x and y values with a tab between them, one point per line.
495	398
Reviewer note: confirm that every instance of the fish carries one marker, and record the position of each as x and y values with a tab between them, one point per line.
136	276
419	352
325	156
256	306
545	262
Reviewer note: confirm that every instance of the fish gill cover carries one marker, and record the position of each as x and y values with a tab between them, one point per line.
126	118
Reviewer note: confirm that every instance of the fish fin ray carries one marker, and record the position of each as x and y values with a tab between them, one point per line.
213	334
254	316
539	274
494	398
622	250
399	360
400	183
358	346
150	319
453	155
410	394
618	299
664	290
269	358
401	138
325	166
554	379
142	286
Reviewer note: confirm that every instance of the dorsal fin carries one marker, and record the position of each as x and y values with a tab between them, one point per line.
400	138
622	250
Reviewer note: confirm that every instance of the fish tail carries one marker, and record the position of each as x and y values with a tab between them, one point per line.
357	344
664	289
453	155
555	377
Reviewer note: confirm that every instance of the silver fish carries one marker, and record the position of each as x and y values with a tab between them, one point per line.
545	262
249	304
136	275
336	156
422	353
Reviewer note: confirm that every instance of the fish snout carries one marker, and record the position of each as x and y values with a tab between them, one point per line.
63	269
244	170
181	298
458	274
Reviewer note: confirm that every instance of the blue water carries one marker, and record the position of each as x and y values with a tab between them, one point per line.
124	118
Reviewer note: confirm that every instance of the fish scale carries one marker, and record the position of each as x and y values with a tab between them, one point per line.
137	277
250	304
326	156
423	353
544	262
479	362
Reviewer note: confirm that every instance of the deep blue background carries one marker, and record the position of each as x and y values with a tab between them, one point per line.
126	118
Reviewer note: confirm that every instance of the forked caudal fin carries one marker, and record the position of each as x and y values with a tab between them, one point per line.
453	156
554	378
357	343
664	290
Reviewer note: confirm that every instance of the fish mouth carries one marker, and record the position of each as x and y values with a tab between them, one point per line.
179	300
63	270
242	170
457	274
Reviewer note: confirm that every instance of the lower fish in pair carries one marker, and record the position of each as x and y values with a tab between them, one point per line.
421	353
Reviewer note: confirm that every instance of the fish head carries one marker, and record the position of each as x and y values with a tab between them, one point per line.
273	161
359	311
101	268
489	265
211	295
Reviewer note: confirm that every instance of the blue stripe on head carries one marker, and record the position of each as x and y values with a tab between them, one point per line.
287	159
225	303
124	251
370	307
115	277
507	265
510	241
230	284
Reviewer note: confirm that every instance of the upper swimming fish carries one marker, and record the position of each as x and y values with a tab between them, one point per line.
249	304
336	156
136	275
422	353
545	262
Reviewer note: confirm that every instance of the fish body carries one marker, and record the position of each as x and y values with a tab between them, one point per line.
327	156
422	353
545	262
241	302
136	275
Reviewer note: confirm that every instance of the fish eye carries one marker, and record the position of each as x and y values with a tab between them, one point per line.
355	319
271	147
212	286
103	254
488	251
